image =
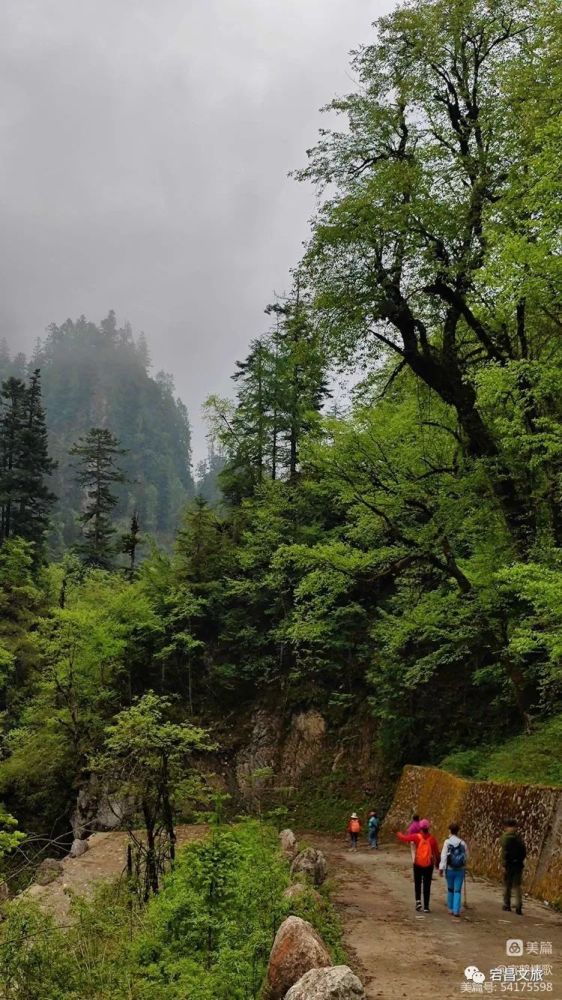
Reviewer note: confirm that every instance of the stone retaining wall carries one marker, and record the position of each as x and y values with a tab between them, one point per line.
479	807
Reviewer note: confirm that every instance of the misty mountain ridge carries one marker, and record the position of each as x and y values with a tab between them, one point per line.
99	376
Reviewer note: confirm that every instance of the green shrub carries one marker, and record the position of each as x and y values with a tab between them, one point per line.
533	758
206	936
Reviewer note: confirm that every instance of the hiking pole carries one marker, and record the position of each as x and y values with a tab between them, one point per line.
466	906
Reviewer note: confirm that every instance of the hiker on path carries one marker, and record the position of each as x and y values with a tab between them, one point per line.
514	853
425	860
373	829
414	827
354	829
453	864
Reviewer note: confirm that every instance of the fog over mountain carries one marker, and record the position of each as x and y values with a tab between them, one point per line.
145	152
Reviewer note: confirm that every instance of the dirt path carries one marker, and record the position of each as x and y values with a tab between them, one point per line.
401	954
105	860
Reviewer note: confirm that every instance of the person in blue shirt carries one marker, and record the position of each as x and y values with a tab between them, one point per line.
373	830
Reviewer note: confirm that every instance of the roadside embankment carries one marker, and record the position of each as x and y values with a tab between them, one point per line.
479	807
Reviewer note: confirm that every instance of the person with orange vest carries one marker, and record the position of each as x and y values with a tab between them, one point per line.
426	858
354	829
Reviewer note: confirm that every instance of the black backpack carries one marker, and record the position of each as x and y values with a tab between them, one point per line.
456	855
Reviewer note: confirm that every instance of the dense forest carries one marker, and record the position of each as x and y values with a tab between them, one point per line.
99	376
397	554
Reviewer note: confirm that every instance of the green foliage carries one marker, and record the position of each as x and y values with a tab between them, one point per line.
326	804
145	759
81	659
281	386
97	471
207	935
530	759
9	836
25	465
84	961
401	558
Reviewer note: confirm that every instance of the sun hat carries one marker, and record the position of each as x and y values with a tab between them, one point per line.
425	824
354	815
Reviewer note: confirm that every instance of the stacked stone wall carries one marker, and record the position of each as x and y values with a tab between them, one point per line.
479	807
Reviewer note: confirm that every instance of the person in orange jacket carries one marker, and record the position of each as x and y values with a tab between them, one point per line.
354	829
426	859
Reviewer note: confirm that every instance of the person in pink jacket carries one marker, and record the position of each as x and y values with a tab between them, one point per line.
426	859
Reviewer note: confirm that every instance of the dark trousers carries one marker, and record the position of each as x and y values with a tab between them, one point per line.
512	883
354	839
422	877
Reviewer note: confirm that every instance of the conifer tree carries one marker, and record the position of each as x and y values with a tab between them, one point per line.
97	472
31	518
131	541
25	498
13	408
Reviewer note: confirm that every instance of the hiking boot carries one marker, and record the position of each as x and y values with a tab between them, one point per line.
418	905
519	911
426	909
506	908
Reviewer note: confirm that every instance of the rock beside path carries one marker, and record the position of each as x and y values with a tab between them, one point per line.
288	843
338	983
297	949
312	864
79	847
296	890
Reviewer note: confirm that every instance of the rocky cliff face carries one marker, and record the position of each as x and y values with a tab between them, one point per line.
279	756
479	807
269	758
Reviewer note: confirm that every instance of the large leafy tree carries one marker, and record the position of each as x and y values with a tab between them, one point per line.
422	174
145	758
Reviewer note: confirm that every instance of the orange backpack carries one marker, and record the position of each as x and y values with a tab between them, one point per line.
354	826
424	853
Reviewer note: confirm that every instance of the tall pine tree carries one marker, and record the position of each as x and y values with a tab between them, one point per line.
25	498
281	386
97	471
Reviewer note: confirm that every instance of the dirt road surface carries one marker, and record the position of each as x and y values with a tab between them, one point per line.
104	861
401	954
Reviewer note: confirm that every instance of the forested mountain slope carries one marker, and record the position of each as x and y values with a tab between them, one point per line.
396	568
99	376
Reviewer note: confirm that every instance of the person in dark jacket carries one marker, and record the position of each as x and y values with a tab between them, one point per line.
514	853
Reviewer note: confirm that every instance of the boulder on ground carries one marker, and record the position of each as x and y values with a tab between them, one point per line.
312	864
297	949
98	809
79	847
338	983
296	890
48	871
288	843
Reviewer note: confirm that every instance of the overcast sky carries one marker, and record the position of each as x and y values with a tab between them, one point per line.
144	151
